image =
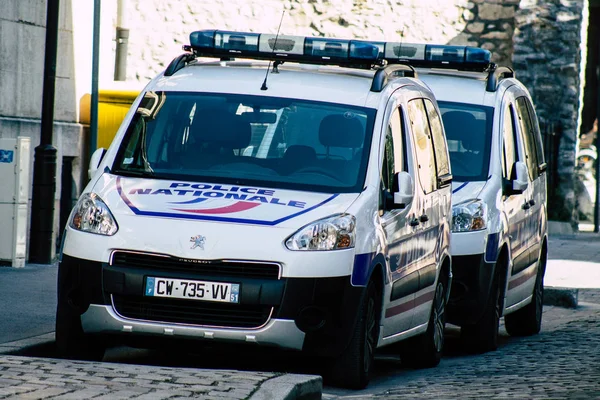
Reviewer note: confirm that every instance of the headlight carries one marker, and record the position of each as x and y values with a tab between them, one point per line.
92	215
469	216
333	233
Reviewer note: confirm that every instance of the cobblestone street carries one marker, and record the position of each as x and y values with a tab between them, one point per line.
562	362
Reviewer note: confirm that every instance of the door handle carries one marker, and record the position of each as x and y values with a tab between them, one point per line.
424	218
414	222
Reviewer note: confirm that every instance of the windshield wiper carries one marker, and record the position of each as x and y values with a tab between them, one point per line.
134	172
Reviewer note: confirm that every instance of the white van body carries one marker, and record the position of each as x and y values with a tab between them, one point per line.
221	234
499	172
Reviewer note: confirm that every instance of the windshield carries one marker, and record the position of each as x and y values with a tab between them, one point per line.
251	140
468	132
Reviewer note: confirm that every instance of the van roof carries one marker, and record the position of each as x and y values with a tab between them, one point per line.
300	81
458	86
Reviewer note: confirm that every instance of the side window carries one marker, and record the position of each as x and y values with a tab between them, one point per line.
393	157
537	134
439	142
389	162
528	137
424	148
510	147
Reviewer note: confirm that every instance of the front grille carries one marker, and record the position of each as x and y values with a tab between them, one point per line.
191	312
208	267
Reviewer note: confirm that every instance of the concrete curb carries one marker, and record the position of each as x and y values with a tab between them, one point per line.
290	387
284	387
561	297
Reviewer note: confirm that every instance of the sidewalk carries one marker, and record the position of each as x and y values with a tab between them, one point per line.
28	302
28	306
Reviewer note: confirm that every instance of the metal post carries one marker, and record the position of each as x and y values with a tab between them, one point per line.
122	38
597	143
95	68
41	248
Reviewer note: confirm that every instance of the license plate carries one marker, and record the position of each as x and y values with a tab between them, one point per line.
193	290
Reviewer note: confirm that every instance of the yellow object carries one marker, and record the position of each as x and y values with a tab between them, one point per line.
112	108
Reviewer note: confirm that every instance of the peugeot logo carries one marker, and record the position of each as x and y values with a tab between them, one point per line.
198	241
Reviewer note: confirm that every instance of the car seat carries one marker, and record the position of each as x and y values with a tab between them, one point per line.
464	128
341	131
213	137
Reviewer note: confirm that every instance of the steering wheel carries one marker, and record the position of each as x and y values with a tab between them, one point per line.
317	170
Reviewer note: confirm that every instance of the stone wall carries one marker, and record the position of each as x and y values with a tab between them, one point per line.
158	28
490	25
548	47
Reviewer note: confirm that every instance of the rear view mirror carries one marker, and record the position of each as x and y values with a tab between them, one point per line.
259	117
95	161
406	190
520	183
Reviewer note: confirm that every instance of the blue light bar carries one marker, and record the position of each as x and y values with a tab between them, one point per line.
215	43
435	56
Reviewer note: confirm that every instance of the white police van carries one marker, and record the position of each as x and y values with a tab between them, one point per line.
499	231
305	207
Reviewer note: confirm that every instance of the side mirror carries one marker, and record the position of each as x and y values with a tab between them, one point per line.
95	161
406	190
520	183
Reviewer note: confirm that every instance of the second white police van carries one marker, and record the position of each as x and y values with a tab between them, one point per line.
305	207
499	238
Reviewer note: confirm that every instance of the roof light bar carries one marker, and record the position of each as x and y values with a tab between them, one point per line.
215	43
435	56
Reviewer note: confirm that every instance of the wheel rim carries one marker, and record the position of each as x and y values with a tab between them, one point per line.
439	318
370	334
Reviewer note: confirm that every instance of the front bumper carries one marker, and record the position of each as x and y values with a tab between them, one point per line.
471	282
316	315
100	319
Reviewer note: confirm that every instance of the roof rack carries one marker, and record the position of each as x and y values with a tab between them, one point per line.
496	74
178	63
307	50
383	75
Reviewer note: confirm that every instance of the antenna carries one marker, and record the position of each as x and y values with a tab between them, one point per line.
264	85
401	41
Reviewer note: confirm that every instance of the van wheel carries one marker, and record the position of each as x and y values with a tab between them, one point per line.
425	351
482	336
527	321
352	369
71	341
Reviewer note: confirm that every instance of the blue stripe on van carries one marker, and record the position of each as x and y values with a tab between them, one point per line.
491	251
363	266
460	187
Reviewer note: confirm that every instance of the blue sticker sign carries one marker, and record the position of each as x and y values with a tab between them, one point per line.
150	287
6	156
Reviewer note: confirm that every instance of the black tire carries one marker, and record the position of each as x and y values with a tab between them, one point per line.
482	336
527	321
352	369
425	351
71	340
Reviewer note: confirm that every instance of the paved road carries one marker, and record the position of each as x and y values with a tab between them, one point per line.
27	301
562	362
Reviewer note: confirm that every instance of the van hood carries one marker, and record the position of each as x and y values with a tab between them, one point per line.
464	191
217	202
